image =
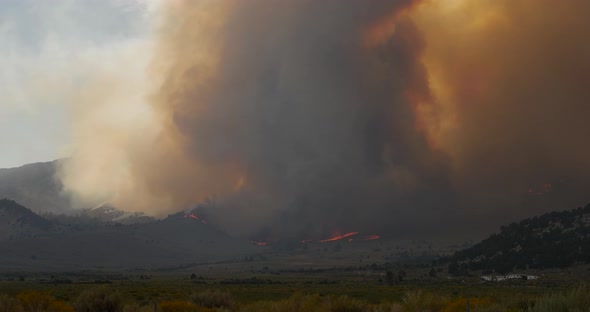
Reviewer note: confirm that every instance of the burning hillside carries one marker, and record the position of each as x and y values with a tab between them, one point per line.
195	217
346	237
339	237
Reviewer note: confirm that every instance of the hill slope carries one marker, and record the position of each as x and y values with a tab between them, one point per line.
108	213
32	243
18	222
556	239
34	186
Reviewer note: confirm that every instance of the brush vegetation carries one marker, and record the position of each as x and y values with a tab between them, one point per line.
108	299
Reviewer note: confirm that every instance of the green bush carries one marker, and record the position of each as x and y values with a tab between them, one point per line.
212	299
100	299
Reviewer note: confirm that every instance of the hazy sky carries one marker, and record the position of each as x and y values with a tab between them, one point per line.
45	48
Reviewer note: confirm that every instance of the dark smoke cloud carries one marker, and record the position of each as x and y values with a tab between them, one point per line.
317	125
306	117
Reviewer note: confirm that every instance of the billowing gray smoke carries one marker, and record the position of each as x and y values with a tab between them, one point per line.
299	117
315	123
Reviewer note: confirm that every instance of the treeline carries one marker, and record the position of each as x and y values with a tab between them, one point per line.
552	240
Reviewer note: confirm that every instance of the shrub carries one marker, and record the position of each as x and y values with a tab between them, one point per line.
460	304
60	306
212	299
347	304
260	306
34	301
577	299
137	308
387	307
301	303
99	299
418	301
8	304
498	307
181	306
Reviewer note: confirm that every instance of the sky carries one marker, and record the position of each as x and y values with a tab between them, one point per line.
47	46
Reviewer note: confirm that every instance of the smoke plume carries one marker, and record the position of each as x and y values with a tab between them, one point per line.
288	118
510	82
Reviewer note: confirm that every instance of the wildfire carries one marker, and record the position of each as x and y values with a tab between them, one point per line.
194	216
258	243
541	190
339	237
547	187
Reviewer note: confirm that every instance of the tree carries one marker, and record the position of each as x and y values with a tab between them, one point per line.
401	275
389	278
432	273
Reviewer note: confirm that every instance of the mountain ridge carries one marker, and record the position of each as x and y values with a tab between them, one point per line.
19	222
33	243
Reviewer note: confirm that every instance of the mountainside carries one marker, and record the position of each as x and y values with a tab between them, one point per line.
108	213
17	221
32	243
552	240
34	186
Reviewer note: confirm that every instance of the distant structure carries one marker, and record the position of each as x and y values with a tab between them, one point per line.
499	278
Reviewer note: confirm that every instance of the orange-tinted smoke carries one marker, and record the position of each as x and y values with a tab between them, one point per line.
383	28
510	84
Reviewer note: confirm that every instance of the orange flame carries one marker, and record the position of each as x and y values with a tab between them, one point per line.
194	216
335	238
545	188
372	237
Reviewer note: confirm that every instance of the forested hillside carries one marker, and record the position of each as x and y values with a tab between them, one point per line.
552	240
